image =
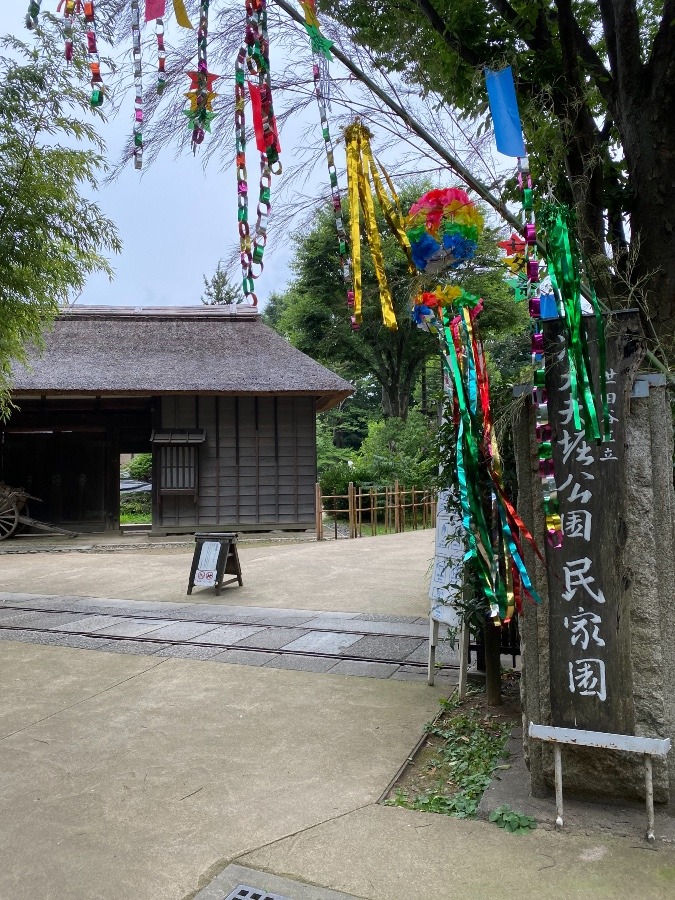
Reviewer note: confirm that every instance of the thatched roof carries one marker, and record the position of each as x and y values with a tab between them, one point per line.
170	350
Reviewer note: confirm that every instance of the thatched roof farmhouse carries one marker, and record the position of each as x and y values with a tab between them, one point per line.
227	406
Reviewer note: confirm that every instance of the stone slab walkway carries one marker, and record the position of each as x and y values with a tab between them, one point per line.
308	640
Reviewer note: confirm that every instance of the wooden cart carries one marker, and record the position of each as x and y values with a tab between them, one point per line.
12	505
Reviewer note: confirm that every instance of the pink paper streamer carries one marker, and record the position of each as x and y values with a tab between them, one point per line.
154	9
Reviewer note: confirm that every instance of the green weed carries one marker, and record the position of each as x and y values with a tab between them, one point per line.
512	821
471	748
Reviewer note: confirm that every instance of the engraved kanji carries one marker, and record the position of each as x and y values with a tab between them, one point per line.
587	677
576	493
577	523
575	443
576	576
584	628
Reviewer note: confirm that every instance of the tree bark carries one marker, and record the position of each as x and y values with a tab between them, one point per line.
395	401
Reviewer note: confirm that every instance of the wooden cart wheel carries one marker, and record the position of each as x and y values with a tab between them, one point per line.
9	516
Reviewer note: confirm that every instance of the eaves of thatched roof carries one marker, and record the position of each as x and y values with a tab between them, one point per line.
172	350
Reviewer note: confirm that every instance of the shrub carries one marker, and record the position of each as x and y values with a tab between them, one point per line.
140	467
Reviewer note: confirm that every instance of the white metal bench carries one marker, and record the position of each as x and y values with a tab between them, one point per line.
648	747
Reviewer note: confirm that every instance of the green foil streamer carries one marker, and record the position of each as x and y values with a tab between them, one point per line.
564	270
471	470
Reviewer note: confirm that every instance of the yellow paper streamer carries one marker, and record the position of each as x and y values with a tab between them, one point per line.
354	231
360	168
310	14
391	214
181	14
375	244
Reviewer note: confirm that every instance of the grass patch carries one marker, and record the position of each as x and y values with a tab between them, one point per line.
136	509
464	748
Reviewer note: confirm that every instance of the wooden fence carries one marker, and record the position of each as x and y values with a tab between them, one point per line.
375	510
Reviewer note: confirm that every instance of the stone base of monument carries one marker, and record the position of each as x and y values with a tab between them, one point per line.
599	652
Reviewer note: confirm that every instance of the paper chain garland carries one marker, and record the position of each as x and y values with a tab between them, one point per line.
343	245
360	169
200	113
321	48
138	84
155	10
532	292
254	55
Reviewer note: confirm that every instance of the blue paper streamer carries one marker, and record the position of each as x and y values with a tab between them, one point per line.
504	111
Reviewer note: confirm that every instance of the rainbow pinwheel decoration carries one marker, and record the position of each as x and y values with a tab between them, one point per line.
443	228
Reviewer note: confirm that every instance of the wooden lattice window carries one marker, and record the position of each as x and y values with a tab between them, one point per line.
178	469
177	452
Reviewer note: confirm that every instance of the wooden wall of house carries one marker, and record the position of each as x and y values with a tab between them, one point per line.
257	466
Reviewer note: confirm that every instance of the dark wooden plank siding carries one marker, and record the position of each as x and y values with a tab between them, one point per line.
257	465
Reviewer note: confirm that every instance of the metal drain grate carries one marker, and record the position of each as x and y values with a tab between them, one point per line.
243	892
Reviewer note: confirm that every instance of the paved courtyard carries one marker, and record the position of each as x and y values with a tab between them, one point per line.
151	743
387	575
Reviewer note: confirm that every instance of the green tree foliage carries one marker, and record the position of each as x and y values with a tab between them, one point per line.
597	97
219	290
51	236
348	422
407	450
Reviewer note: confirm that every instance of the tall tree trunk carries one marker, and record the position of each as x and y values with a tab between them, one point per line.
648	134
395	401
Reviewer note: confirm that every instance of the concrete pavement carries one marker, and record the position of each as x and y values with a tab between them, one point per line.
129	777
384	853
386	575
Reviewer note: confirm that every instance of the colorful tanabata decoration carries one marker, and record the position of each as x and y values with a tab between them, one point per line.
32	14
564	267
360	169
523	262
156	10
71	8
181	14
504	111
200	112
343	245
138	84
321	46
443	227
529	288
254	56
451	314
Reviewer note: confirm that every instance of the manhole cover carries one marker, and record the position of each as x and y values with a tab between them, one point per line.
243	892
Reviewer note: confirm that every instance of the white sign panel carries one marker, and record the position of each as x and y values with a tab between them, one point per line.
446	578
208	562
